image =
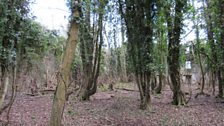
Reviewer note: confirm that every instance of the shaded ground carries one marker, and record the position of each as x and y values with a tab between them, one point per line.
120	108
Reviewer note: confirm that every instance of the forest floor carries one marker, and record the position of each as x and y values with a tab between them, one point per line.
120	108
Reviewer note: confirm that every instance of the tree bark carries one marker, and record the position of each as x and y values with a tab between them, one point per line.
123	53
174	31
200	62
63	75
4	87
198	50
162	43
138	18
92	64
210	36
146	98
221	73
159	88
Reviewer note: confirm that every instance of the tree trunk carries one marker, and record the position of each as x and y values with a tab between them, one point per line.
93	65
200	62
174	30
220	84
63	75
123	53
159	88
162	44
145	91
198	50
4	87
221	73
213	82
7	43
138	18
210	36
153	83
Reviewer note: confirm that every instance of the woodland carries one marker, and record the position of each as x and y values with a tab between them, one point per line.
122	63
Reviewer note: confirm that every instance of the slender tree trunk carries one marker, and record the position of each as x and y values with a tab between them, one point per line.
92	65
63	75
159	88
221	43
4	87
13	94
7	44
209	26
221	73
161	59
198	50
123	57
200	62
174	30
220	84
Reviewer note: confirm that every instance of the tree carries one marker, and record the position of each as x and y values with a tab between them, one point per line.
91	47
63	75
174	31
138	16
212	11
207	5
12	15
161	45
196	22
221	18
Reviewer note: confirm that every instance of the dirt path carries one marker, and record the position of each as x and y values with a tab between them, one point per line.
119	108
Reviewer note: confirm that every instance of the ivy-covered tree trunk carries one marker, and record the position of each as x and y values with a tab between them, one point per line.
221	73
174	31
199	57
91	52
4	69
7	45
143	82
215	20
213	46
161	44
198	46
4	87
63	75
138	17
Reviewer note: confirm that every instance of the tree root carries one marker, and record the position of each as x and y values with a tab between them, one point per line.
201	93
179	99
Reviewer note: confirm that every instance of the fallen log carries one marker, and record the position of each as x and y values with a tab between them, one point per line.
125	89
